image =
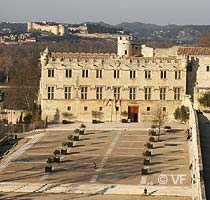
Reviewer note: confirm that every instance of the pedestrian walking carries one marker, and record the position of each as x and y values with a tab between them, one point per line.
145	191
95	166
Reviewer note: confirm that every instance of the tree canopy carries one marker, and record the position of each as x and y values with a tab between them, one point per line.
182	114
205	100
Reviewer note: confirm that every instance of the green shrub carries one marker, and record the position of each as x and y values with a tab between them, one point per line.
76	130
149	145
57	152
27	119
205	100
147	153
71	137
83	126
182	114
64	144
50	160
152	139
152	132
147	161
153	126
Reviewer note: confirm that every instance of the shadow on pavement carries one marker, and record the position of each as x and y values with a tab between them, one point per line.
204	128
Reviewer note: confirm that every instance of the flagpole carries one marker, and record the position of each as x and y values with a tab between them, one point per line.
111	109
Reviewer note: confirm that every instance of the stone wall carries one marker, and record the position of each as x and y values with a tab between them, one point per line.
56	29
196	158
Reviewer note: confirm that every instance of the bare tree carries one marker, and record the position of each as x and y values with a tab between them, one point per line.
204	39
97	115
160	118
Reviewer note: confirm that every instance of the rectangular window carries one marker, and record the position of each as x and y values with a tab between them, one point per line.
116	73
99	91
126	52
117	93
68	73
85	73
98	73
132	93
148	109
163	74
177	75
147	74
132	74
100	109
147	93
177	94
164	109
162	93
67	92
207	68
85	108
84	91
50	72
69	108
50	92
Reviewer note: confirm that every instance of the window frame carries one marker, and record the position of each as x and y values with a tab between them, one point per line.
116	93
147	93
116	73
147	74
85	73
178	74
132	93
177	93
99	92
99	73
50	92
132	74
50	73
163	74
67	92
162	93
68	73
84	92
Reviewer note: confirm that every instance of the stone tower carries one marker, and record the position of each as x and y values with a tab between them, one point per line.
45	56
29	26
61	29
124	45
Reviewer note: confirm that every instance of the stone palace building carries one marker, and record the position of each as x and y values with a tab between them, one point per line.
137	81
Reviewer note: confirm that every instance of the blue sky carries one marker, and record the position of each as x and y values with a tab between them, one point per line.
111	11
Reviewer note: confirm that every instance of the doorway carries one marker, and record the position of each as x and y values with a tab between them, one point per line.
133	112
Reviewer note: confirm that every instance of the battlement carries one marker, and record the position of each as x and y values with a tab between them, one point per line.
109	58
60	55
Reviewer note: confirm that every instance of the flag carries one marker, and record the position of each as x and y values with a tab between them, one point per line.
109	102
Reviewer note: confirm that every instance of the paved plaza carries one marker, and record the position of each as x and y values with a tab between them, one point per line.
117	153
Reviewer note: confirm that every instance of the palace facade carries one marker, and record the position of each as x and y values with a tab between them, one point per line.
137	82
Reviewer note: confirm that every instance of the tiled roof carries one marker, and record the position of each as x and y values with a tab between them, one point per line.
193	51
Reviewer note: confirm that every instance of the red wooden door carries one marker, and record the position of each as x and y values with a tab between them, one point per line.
133	112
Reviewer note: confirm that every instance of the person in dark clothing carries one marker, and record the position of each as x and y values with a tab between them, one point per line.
145	191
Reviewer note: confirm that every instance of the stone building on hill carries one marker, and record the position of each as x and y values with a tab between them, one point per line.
51	27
